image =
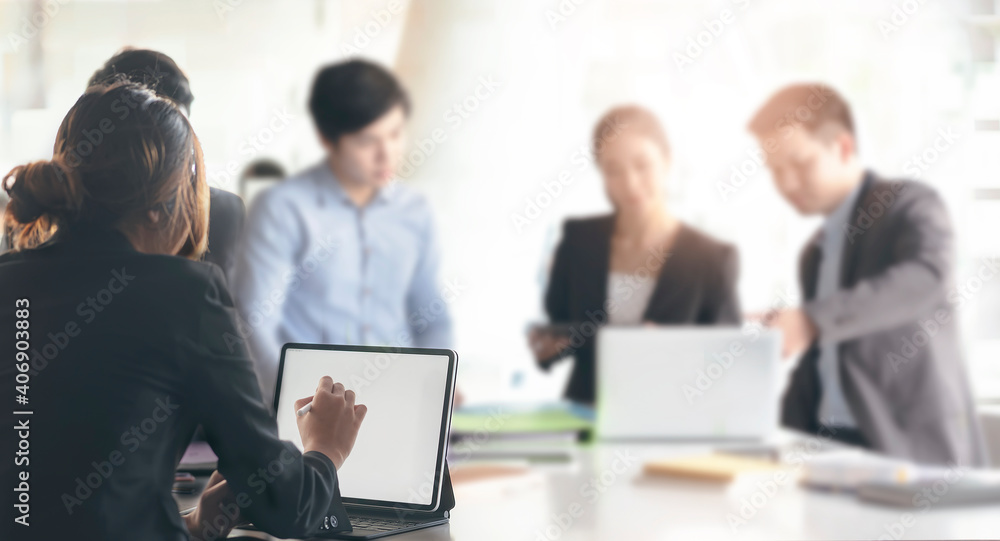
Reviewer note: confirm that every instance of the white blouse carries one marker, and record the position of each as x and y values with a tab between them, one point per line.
628	296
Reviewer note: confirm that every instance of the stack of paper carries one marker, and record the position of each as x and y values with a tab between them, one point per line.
545	432
847	469
719	467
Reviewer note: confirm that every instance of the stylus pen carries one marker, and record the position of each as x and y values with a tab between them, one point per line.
304	409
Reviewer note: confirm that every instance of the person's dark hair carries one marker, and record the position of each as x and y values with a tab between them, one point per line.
120	152
264	167
153	69
628	119
811	106
348	96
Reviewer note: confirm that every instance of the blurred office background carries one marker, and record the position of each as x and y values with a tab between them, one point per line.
506	93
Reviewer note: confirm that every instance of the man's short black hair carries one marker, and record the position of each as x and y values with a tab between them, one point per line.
153	69
348	96
263	167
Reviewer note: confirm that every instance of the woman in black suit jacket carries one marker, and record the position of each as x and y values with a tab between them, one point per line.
123	348
636	266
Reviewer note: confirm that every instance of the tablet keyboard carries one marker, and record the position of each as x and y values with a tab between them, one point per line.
381	525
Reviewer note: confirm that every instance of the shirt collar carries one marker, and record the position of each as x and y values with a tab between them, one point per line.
102	239
330	186
842	214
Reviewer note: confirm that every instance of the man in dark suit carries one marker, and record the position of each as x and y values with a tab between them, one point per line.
227	212
880	365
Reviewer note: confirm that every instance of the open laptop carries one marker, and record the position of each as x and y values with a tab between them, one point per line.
396	478
688	383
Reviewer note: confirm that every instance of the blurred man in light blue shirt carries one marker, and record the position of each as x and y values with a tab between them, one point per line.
340	253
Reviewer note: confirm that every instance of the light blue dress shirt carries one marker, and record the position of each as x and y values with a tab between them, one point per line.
315	267
833	407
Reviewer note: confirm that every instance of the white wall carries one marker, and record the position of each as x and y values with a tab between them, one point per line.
558	65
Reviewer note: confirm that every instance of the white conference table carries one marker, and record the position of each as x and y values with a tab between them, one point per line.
602	494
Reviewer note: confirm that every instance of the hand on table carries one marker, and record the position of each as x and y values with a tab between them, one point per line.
217	512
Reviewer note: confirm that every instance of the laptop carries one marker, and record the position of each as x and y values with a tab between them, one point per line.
688	383
396	478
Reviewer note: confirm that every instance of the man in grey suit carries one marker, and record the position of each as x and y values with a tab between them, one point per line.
880	365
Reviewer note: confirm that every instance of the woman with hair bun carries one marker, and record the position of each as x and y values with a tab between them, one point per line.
122	347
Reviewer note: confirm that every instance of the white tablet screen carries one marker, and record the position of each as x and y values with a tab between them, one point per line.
396	453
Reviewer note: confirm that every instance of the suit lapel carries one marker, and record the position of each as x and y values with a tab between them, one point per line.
809	267
599	263
663	291
801	401
855	237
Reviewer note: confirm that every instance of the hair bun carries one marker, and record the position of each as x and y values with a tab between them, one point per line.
41	188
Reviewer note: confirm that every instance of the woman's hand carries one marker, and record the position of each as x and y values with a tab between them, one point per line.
331	426
545	344
217	513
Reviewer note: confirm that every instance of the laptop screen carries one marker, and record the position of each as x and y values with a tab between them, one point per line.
397	458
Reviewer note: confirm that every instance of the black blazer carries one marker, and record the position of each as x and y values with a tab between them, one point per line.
696	285
226	216
128	353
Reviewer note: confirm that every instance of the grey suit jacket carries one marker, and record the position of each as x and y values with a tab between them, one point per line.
900	363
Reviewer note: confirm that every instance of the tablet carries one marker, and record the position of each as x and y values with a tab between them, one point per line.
398	458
